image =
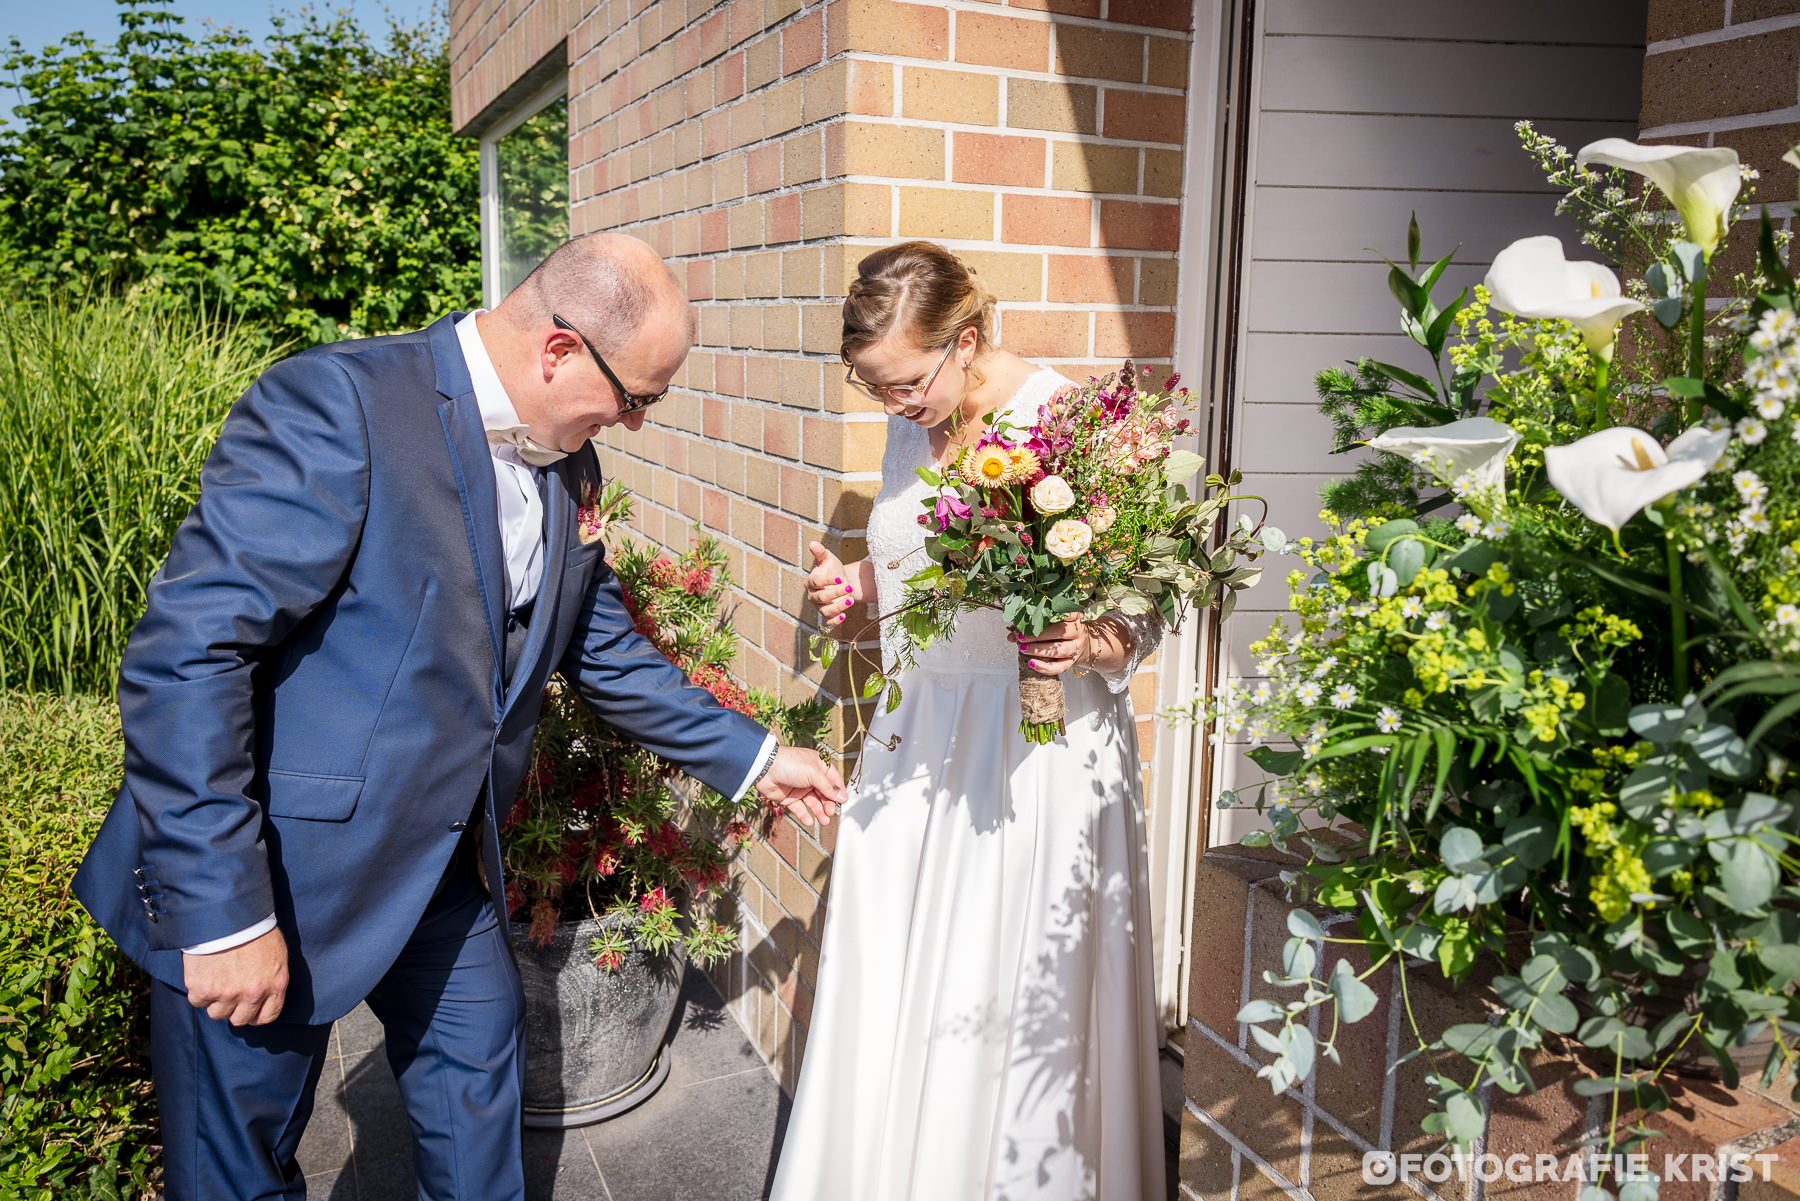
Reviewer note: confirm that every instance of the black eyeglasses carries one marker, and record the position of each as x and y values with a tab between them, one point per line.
628	403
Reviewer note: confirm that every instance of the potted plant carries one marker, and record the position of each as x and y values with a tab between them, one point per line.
1543	674
612	857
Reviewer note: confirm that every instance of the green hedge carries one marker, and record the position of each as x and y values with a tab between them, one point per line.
107	408
79	1119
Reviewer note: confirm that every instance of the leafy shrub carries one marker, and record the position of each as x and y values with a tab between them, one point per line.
311	185
597	825
107	409
78	1118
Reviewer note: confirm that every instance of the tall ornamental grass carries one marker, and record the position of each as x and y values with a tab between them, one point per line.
107	409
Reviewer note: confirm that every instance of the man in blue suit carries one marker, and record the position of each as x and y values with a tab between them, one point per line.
333	693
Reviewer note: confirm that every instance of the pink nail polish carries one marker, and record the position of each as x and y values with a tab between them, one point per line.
839	580
849	589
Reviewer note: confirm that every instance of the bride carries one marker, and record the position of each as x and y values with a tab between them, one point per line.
985	1026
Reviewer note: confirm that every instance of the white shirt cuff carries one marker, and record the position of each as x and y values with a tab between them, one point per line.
756	767
233	940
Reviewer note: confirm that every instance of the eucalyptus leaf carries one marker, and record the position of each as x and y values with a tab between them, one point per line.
1406	558
1260	1011
1460	848
1302	924
1750	875
1355	999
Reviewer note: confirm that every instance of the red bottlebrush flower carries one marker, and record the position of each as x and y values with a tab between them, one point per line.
654	901
699	580
736	832
610	961
606	862
662	573
515	897
727	691
543	922
521	809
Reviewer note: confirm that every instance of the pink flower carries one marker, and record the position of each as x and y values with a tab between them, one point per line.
948	507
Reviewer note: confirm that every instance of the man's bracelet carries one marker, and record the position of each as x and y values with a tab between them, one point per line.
767	763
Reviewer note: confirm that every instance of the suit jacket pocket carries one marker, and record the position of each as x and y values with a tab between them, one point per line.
582	555
311	797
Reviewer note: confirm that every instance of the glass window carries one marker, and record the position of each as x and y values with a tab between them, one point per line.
528	196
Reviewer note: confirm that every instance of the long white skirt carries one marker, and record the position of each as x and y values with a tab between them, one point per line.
985	1022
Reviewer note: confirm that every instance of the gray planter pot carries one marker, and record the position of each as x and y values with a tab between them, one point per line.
596	1042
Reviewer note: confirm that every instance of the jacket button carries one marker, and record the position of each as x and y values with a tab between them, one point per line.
459	825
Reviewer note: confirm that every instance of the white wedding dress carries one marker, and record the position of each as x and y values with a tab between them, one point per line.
985	1026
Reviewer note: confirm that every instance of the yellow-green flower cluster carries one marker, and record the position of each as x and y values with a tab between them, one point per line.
1618	851
1595	624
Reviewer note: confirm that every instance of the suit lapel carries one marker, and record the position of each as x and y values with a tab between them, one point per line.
471	461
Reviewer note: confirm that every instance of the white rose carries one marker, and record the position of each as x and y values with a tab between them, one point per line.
1101	517
1052	494
1069	539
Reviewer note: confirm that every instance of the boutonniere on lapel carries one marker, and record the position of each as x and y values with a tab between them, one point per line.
599	508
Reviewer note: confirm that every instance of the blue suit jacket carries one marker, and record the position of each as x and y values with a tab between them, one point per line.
313	700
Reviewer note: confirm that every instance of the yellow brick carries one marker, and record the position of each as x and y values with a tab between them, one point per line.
946	213
762	274
897	151
929	94
1162	172
1089	167
801	271
1156	281
715	322
781	327
800	385
781	108
728	178
884	27
1008	276
1033	104
728	278
821	328
847	210
746	325
802	159
1168	62
762	62
840	267
747	225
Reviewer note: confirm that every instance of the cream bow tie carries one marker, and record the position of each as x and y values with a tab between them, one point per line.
519	438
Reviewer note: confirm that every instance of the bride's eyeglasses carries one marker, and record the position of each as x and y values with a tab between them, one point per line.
903	394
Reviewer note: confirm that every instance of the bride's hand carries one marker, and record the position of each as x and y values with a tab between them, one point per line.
1062	645
832	589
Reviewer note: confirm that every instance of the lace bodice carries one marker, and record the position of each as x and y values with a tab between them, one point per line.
897	549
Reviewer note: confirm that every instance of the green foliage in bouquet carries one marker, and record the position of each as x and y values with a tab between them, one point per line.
1559	726
77	1117
601	825
310	185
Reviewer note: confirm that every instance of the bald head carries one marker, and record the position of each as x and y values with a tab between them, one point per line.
607	285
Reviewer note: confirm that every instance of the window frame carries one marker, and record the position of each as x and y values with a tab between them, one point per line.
555	90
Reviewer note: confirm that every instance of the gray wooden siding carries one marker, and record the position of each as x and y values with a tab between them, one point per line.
1367	110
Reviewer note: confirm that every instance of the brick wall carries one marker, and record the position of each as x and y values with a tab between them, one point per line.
1240	1141
763	147
1727	73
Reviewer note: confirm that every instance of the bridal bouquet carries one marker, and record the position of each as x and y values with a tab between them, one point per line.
1081	513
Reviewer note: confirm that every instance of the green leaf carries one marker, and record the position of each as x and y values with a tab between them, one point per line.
1664	724
1180	465
1685	387
1260	1011
1466	1119
1412	241
1377	539
1355	999
1277	763
1460	848
1750	875
1302	924
1407	558
1532	839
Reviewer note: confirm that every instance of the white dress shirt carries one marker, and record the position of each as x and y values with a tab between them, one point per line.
521	513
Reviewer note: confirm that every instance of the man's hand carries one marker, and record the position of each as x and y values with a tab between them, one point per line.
245	985
803	784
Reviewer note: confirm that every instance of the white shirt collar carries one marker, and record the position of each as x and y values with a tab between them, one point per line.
497	411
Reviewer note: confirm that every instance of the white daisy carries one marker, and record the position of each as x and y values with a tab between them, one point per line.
1494	529
1468	523
1750	487
1388	720
1325	666
1344	696
1787	615
1438	620
1412	606
1416	887
1752	431
1308	693
1769	406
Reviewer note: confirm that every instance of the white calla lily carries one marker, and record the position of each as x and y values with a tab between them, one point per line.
1475	447
1613	474
1701	182
1531	278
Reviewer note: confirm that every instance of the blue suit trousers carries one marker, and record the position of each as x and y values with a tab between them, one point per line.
235	1100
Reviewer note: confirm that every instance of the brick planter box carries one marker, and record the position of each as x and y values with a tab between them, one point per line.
1239	1141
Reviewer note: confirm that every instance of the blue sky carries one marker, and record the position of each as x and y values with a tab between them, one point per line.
39	23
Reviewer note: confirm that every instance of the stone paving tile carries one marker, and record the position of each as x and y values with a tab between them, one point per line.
683	1144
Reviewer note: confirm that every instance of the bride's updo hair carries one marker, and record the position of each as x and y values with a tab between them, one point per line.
919	289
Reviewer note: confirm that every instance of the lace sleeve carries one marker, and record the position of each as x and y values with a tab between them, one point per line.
1144	632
